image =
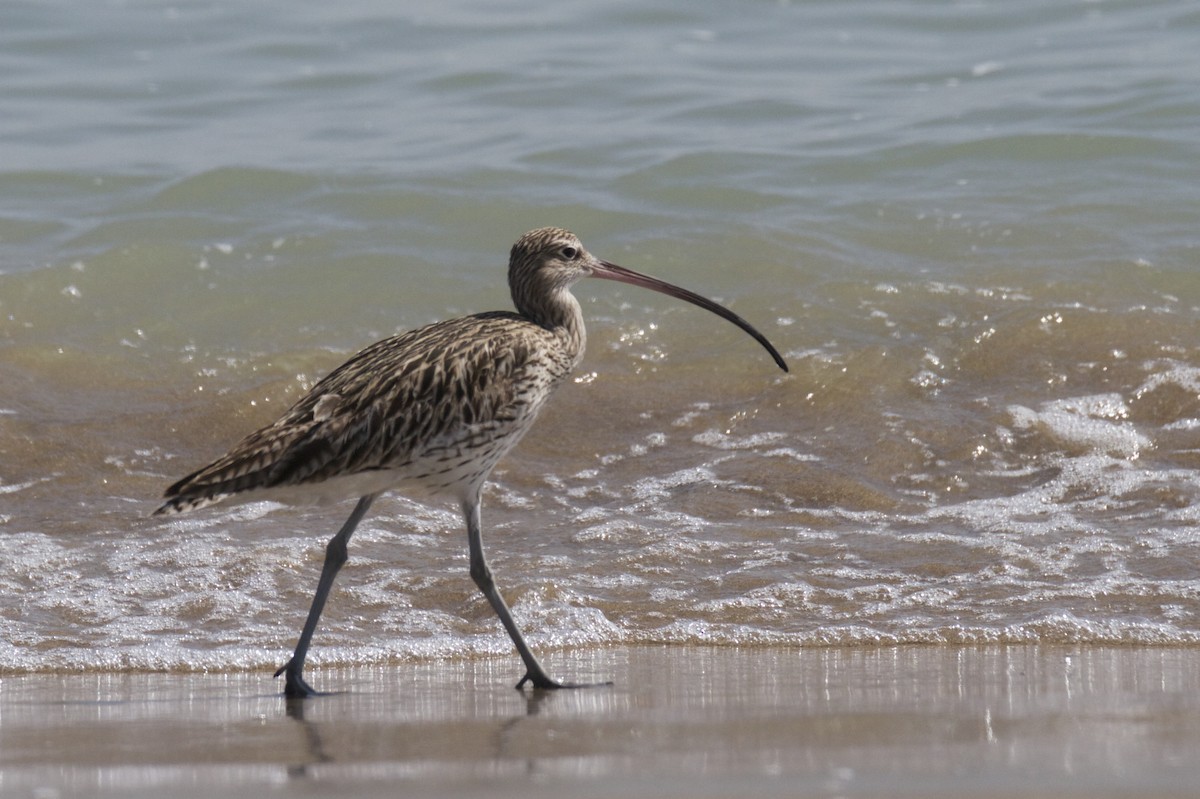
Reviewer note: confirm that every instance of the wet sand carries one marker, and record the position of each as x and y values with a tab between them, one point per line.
677	722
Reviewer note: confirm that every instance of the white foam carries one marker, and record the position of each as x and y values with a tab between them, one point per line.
719	440
1094	423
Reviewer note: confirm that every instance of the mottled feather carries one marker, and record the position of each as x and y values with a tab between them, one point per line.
403	405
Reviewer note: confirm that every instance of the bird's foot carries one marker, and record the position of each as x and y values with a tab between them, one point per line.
540	681
295	687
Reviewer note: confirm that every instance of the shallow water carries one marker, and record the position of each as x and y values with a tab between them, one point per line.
971	229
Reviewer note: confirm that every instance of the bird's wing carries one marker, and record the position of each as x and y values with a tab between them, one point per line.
443	386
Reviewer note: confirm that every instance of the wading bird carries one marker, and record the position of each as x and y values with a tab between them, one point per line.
430	411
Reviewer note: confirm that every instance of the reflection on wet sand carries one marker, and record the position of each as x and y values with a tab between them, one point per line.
965	721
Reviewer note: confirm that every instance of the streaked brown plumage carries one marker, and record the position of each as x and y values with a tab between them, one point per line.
405	407
431	410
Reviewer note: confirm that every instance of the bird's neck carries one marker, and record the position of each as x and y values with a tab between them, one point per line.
563	317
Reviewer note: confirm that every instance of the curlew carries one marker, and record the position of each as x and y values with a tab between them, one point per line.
432	411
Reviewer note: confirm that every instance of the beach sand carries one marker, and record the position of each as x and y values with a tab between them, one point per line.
677	722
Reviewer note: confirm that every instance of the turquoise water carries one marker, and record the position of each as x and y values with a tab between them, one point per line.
970	227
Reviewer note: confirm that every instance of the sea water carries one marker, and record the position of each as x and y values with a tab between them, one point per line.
970	227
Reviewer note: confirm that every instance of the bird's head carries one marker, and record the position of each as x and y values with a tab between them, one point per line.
546	262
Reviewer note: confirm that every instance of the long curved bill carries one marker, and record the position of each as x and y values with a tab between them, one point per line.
607	271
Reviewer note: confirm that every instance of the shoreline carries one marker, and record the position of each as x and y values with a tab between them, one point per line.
1026	720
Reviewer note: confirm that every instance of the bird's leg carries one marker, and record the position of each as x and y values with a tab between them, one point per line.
335	556
482	575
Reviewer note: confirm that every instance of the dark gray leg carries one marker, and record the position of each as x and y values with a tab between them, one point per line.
482	575
335	556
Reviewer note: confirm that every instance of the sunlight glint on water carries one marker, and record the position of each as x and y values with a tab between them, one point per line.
970	230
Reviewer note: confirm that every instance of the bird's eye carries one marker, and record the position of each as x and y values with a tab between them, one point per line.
570	253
